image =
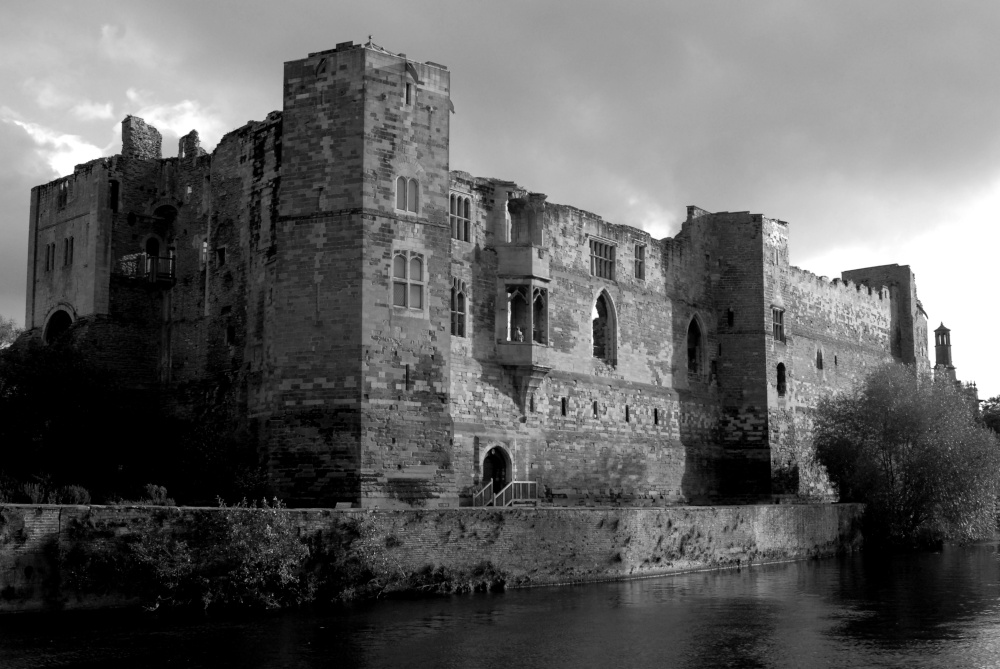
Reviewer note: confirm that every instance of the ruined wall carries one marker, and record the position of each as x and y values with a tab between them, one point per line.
530	546
68	238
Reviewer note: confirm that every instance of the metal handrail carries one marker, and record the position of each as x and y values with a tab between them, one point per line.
480	498
516	490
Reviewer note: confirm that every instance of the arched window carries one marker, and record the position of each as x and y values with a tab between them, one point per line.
407	195
518	313
781	379
604	329
460	208
539	316
595	409
458	308
408	280
819	359
694	347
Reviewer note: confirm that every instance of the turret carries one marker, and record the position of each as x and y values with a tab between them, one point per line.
942	354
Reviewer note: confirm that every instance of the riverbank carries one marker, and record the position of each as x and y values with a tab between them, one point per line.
519	547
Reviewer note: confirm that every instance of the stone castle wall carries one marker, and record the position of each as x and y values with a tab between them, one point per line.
531	546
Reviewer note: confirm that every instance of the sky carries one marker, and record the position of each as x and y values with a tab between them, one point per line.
870	127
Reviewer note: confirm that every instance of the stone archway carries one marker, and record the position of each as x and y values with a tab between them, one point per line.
497	468
59	322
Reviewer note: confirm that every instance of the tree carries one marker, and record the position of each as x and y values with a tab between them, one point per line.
912	450
9	331
991	413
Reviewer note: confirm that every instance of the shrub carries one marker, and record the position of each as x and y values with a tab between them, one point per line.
244	555
913	452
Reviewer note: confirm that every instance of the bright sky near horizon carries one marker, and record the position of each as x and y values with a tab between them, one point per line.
871	127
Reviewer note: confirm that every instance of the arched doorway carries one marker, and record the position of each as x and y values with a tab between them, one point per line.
59	323
496	468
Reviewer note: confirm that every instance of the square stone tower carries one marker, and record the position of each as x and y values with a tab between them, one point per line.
356	397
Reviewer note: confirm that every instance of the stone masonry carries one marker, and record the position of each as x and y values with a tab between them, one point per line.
394	333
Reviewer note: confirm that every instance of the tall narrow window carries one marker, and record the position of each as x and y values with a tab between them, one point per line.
63	197
407	194
72	243
730	317
565	406
458	302
604	329
602	259
65	251
640	261
518	314
628	414
461	215
595	409
781	379
778	324
656	416
408	280
408	94
819	359
694	347
113	196
539	316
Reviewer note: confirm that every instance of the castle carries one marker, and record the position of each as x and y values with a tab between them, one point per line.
395	333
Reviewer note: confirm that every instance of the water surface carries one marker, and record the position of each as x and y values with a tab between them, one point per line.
916	610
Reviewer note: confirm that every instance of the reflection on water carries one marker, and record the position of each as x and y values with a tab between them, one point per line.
920	610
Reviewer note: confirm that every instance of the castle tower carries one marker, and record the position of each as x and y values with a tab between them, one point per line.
362	282
943	367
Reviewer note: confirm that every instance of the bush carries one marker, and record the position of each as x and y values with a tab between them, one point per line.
913	451
244	555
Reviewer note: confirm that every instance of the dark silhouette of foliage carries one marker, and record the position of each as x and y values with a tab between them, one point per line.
990	412
912	450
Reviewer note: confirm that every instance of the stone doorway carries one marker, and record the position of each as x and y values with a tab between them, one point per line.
496	468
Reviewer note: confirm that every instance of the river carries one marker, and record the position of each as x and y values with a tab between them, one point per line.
915	610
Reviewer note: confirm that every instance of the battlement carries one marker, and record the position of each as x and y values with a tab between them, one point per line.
838	288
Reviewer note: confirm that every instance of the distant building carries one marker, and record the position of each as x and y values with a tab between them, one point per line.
393	332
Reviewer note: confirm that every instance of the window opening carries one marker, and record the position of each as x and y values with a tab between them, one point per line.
730	317
778	324
835	361
604	329
656	416
408	280
72	243
220	256
602	259
565	406
408	95
518	314
407	194
461	215
458	302
231	335
595	409
694	347
63	195
539	316
113	196
640	261
781	379
531	405
819	359
628	415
